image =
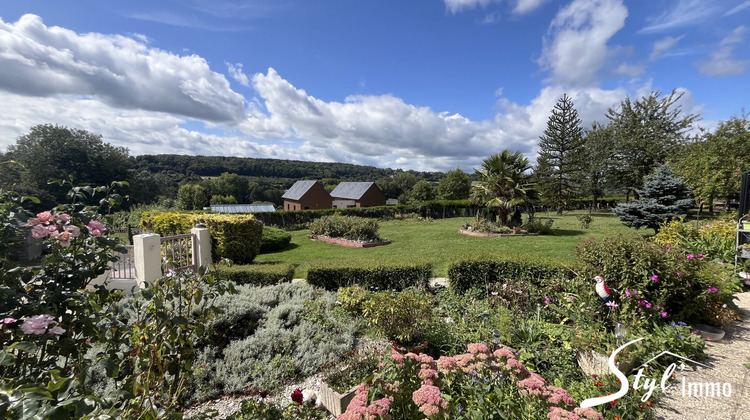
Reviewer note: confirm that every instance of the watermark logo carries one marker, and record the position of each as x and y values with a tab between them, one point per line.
689	389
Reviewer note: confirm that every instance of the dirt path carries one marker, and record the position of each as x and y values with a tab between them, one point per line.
727	357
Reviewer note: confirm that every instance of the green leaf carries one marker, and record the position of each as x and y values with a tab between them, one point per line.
24	346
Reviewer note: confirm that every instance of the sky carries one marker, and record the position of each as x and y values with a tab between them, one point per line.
417	84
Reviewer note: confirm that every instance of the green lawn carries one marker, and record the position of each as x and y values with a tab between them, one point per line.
439	241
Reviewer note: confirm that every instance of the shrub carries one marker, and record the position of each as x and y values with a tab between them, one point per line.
347	227
585	220
483	271
401	316
715	239
287	342
539	225
257	274
375	275
274	239
352	298
233	236
657	283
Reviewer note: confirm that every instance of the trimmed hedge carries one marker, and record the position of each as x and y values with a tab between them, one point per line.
274	239
234	236
479	271
257	274
375	275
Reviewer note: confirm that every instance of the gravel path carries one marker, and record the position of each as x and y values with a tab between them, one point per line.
728	358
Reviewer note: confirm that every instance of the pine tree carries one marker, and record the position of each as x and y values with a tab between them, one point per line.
663	197
561	148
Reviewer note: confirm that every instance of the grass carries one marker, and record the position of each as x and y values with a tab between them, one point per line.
439	242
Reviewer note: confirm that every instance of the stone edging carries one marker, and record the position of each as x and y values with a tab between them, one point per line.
346	242
494	235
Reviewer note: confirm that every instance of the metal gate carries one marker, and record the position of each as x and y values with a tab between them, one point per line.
178	251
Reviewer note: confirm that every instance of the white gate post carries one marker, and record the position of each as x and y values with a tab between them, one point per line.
201	247
147	253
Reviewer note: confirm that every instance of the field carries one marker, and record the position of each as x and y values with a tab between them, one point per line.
440	242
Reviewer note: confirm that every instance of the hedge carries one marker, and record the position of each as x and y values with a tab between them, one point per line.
274	240
478	271
234	236
257	274
374	275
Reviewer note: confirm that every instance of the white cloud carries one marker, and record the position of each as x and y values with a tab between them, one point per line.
722	63
122	72
662	46
575	47
455	6
736	9
685	12
631	70
235	70
527	6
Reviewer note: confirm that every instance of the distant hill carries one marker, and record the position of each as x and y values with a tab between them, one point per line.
209	166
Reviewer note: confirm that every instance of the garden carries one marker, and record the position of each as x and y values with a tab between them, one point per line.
507	338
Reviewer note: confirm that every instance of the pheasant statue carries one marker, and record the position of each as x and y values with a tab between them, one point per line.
604	291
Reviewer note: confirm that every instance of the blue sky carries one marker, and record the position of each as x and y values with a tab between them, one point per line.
428	84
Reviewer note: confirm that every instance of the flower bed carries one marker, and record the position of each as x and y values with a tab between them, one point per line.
346	242
493	235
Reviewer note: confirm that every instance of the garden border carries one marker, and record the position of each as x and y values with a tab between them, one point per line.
494	235
346	242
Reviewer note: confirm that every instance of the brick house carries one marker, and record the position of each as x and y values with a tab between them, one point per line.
357	194
306	195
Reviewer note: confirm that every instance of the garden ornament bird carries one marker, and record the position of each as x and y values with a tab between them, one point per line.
604	291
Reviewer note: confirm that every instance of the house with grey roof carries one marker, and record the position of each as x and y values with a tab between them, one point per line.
307	195
357	194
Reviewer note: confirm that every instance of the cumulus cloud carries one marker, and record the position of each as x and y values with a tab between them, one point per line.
684	12
722	63
575	47
122	72
662	46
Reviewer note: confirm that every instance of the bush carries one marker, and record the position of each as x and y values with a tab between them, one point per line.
375	275
401	316
274	239
483	271
715	239
258	274
348	227
234	236
287	343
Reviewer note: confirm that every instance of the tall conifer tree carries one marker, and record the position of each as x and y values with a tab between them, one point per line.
560	161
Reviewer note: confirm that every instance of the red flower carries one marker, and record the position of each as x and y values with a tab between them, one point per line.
297	396
263	394
594	376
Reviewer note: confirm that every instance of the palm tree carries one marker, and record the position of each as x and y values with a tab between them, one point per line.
505	183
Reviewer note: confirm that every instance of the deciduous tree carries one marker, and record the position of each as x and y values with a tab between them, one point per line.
455	185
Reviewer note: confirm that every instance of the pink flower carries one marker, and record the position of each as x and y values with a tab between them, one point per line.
664	315
64	217
712	290
33	222
655	278
39	232
701	256
546	300
44	217
74	231
475	348
56	330
612	304
571	297
96	228
429	400
690	256
7	321
64	238
37	324
648	304
627	292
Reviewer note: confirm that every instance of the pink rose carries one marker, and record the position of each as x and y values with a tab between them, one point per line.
64	238
96	228
33	222
39	232
74	231
44	216
37	324
64	217
56	330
